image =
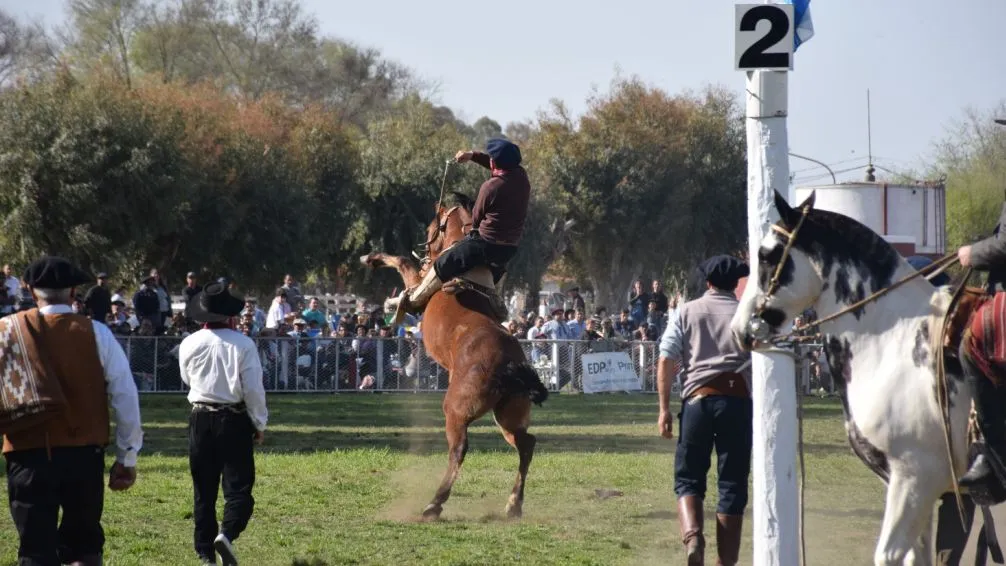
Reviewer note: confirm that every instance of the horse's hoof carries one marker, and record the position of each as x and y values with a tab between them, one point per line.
514	511
432	512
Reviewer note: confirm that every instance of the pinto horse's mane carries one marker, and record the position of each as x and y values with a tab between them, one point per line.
837	241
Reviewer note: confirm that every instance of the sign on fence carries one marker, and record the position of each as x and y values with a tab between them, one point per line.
609	371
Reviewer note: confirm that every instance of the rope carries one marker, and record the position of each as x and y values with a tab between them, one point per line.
943	394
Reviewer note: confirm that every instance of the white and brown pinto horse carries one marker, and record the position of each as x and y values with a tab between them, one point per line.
882	358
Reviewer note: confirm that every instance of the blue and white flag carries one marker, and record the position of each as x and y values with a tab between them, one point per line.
804	26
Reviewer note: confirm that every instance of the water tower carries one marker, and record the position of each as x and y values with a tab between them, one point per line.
911	217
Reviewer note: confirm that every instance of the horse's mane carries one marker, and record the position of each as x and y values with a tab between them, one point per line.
835	239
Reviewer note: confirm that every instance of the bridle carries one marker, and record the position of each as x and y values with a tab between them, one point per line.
441	232
760	329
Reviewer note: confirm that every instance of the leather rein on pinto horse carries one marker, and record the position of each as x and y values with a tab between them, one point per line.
760	329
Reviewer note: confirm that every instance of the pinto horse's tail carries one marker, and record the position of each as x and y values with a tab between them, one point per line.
522	379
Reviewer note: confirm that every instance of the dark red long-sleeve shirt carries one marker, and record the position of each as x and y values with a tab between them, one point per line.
501	207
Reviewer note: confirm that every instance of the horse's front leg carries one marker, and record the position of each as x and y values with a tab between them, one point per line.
907	519
922	553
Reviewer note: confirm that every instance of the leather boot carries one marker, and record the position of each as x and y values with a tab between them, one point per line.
414	300
989	408
690	519
728	538
951	535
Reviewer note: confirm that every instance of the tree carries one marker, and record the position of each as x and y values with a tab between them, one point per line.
485	128
653	182
85	172
269	189
25	50
973	159
104	31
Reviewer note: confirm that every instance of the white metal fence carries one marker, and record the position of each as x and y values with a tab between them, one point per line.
332	365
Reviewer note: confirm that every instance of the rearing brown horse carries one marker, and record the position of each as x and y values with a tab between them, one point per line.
487	367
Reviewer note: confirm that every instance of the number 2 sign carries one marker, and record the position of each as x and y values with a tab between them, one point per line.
763	37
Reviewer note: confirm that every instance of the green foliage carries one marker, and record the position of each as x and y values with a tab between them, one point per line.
84	172
973	158
652	181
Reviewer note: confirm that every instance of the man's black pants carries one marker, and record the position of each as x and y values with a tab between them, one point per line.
724	423
74	480
220	445
470	253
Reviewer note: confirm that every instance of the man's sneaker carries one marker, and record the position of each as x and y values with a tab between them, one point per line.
225	550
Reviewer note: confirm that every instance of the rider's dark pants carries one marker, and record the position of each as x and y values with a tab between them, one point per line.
473	252
951	536
988	401
725	423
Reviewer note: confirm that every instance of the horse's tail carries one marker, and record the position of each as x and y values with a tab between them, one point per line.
522	379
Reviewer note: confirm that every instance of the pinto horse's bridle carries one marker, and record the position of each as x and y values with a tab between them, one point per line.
757	326
760	330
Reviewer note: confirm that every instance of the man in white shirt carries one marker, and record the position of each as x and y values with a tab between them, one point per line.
58	464
224	373
278	310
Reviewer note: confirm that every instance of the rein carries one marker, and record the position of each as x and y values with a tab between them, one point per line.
935	268
796	335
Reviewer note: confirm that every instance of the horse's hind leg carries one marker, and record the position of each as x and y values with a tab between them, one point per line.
457	447
513	416
908	516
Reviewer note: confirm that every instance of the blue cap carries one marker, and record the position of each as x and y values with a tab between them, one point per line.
919	262
505	153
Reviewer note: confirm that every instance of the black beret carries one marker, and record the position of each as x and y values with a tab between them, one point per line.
723	271
506	154
53	272
920	261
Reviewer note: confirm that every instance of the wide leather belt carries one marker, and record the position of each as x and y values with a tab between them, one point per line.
727	383
212	407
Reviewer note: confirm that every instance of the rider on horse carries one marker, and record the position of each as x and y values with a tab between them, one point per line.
987	255
497	225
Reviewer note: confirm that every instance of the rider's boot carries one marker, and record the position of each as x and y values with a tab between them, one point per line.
989	408
690	520
728	538
414	300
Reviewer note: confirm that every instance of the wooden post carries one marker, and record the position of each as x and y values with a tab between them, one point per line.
775	499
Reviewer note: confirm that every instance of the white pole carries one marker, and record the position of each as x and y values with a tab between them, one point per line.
773	458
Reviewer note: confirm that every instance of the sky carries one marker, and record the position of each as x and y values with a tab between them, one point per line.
924	61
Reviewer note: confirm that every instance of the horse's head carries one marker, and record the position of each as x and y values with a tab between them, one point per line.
448	226
810	258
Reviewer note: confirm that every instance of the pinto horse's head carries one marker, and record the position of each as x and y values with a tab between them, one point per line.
450	224
810	258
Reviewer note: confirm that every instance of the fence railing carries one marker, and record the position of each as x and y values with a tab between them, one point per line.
332	365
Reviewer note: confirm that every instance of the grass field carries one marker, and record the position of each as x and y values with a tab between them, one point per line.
342	479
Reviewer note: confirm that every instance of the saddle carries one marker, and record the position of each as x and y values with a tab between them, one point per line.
475	290
971	299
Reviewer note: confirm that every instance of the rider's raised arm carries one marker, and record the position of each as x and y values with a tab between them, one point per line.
481	158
